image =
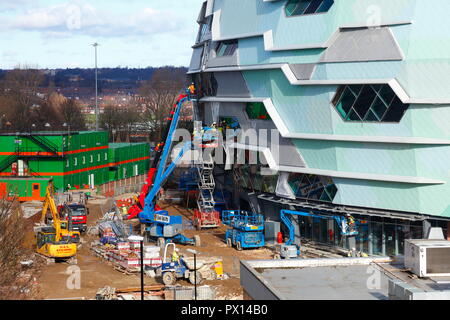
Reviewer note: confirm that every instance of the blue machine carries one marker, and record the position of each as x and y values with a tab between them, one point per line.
188	180
159	224
172	270
247	229
287	250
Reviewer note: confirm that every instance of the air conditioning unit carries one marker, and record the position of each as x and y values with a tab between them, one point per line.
428	258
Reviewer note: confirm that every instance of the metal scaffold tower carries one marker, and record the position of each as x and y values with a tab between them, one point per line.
206	216
206	184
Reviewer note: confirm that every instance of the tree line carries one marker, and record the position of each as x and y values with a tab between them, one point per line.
23	107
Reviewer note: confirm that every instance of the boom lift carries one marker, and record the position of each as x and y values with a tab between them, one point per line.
159	224
288	250
55	241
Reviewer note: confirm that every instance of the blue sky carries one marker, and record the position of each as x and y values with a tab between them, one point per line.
133	33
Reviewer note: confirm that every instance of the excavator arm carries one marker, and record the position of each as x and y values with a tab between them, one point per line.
49	204
341	221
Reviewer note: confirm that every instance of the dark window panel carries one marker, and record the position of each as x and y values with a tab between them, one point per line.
346	102
379	108
395	111
364	101
377	87
325	6
356	89
338	95
387	94
315	4
353	116
371	117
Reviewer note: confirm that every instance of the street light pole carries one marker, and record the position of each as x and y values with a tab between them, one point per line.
95	45
194	252
142	270
141	240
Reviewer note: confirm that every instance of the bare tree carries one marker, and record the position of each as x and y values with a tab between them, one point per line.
160	93
119	121
15	283
71	115
19	91
110	120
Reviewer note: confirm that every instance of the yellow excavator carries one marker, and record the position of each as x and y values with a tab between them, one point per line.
55	241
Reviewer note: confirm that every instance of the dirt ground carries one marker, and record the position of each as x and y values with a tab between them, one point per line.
97	273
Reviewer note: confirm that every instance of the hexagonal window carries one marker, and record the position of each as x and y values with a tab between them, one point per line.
303	7
311	187
369	103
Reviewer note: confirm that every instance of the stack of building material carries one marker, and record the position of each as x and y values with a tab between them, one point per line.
188	293
126	256
153	292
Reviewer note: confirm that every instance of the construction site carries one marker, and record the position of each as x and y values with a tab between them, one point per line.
317	168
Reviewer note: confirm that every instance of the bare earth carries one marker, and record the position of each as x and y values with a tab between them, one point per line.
97	273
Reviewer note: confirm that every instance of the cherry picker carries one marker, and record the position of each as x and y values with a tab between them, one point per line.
159	225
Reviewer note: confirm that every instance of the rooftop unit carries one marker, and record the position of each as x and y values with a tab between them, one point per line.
428	258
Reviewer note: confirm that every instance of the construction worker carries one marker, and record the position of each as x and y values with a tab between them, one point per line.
350	222
175	256
191	88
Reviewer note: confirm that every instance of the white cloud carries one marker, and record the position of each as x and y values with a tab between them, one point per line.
13	5
80	18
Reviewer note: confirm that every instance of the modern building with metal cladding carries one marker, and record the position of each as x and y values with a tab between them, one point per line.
359	93
71	159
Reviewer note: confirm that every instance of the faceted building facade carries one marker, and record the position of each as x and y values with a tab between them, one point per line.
359	93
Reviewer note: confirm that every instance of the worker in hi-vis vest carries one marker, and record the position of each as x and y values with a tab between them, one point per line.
191	88
175	256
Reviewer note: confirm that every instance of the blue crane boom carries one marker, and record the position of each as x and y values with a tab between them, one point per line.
159	224
342	222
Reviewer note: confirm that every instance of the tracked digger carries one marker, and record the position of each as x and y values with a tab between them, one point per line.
54	239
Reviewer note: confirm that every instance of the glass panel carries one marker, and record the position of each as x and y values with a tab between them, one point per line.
362	240
231	48
332	191
377	87
371	117
356	89
353	116
316	229
257	110
346	102
390	236
314	187
387	94
376	233
290	7
325	196
221	49
403	232
338	95
313	6
379	108
395	111
337	235
324	230
300	7
325	6
364	101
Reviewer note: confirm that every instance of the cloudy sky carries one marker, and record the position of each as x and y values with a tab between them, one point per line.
133	33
